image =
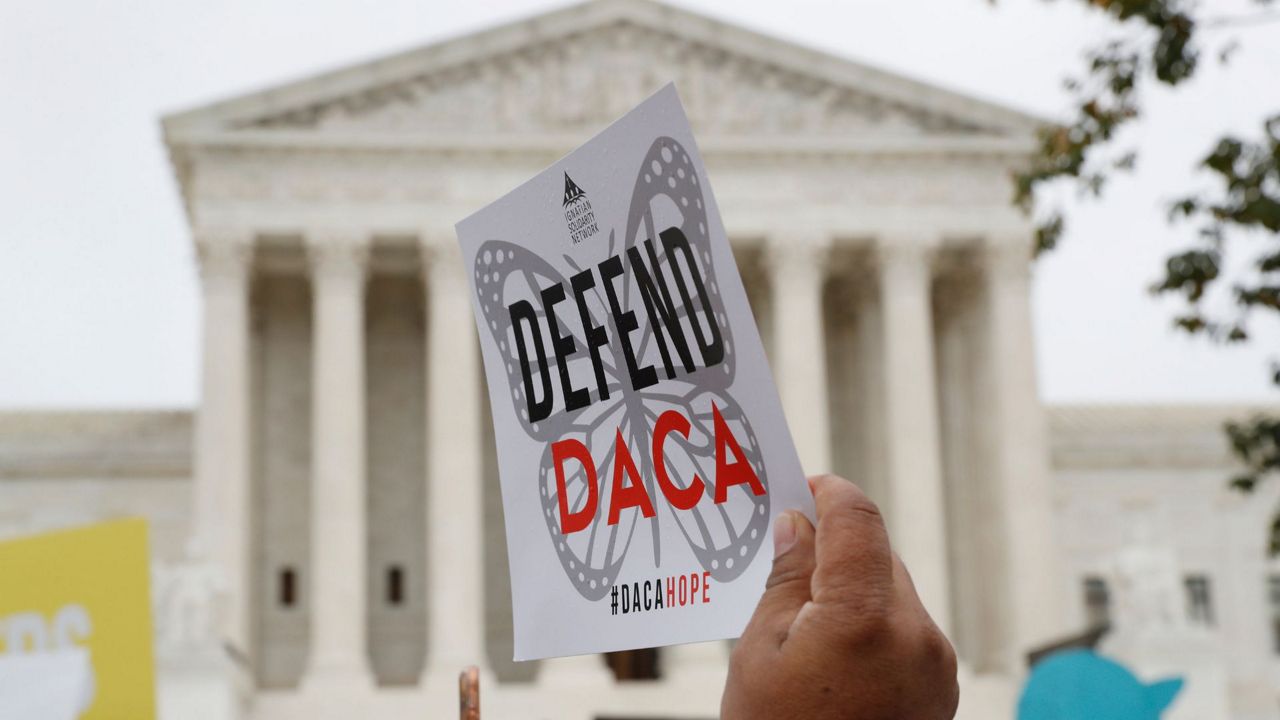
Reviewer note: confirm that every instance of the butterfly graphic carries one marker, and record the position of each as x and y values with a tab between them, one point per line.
724	537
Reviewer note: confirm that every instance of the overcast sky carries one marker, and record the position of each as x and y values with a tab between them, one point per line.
98	290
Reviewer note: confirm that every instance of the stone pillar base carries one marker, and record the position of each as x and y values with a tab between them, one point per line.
985	695
199	691
1193	654
340	679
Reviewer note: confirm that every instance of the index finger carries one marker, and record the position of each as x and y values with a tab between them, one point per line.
854	560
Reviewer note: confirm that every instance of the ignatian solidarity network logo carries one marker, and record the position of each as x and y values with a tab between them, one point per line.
577	212
684	424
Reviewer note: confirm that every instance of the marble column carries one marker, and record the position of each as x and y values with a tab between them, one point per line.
916	513
339	638
796	265
1020	459
221	525
1244	600
869	358
455	511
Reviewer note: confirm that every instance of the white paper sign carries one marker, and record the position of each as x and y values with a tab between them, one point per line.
641	445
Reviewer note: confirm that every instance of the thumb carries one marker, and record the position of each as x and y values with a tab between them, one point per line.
788	586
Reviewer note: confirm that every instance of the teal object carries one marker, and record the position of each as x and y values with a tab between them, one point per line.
1082	685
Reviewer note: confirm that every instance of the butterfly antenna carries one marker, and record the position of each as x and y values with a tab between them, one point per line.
469	694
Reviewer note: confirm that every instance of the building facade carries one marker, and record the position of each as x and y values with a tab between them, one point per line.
334	498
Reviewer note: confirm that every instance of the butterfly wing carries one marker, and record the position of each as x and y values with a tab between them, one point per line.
668	193
506	273
724	536
593	557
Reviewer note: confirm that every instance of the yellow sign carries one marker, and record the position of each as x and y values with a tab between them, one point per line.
87	587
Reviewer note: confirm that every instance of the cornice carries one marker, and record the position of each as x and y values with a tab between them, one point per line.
129	444
1151	437
541	144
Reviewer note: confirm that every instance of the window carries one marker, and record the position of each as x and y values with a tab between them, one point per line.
395	586
288	587
1199	600
1273	593
1097	602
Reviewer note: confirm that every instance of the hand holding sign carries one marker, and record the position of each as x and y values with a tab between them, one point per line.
839	631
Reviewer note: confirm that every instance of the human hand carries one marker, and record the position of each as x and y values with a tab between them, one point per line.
839	632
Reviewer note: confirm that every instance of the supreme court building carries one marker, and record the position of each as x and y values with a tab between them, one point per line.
327	523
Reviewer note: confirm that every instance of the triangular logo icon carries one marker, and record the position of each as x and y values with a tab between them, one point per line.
571	191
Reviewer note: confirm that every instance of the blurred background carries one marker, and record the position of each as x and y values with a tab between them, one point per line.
189	184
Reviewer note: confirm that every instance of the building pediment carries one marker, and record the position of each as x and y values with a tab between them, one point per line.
575	70
586	80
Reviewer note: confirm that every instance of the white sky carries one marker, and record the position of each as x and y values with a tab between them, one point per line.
98	293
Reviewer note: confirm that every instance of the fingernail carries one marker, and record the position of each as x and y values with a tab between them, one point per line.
784	533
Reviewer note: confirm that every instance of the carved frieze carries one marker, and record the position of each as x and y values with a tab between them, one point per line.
585	80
